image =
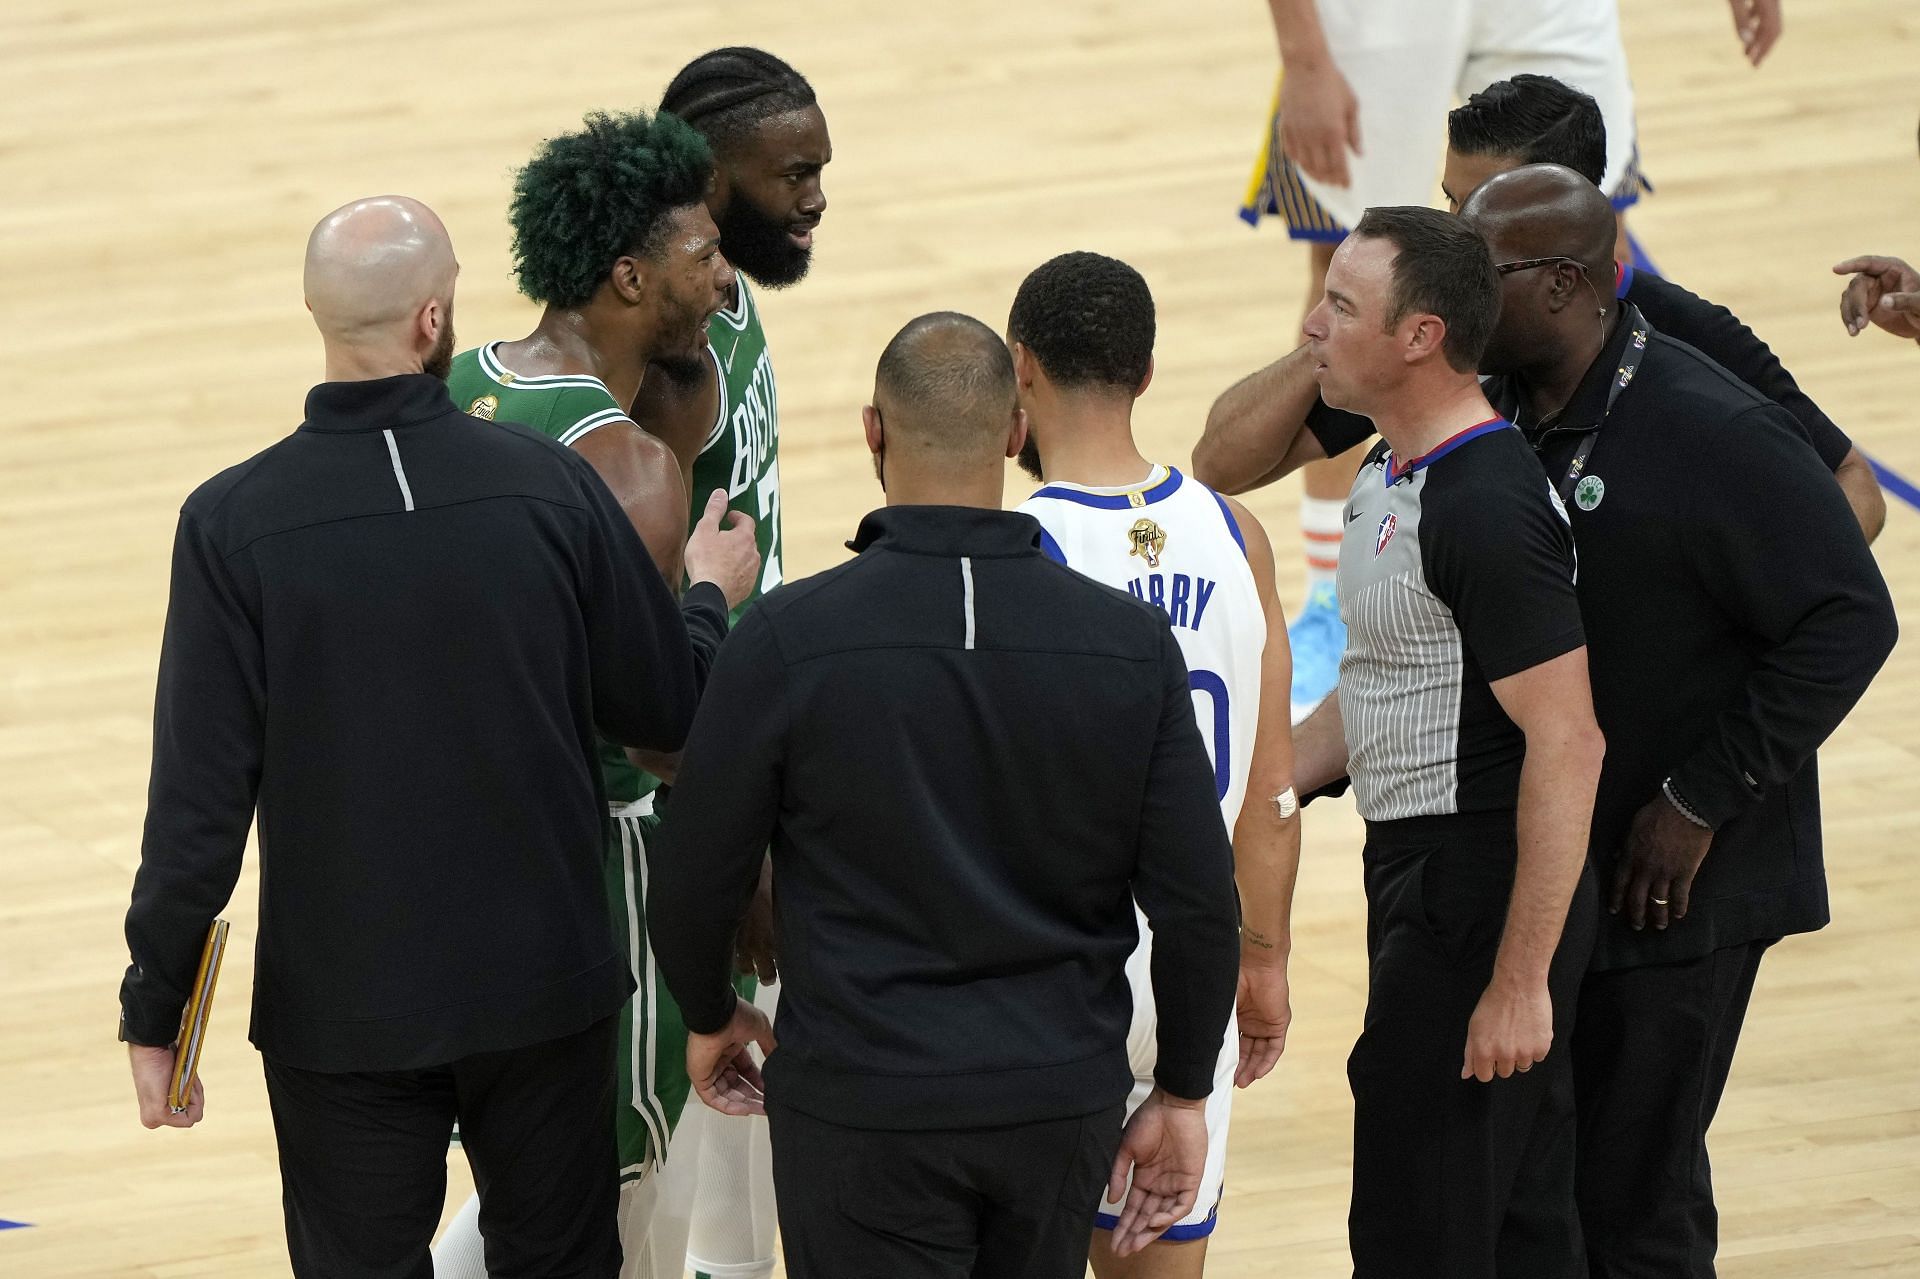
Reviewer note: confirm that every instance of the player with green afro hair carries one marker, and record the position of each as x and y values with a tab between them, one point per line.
607	191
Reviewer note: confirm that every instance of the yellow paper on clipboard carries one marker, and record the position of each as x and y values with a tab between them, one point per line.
193	1023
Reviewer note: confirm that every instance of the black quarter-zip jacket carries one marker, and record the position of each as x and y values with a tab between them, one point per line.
394	633
969	762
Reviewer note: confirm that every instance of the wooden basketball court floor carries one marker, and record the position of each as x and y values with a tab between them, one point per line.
162	163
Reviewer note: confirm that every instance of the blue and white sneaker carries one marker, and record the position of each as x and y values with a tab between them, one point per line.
1318	638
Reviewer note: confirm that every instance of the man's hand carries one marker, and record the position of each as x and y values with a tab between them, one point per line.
1656	869
1319	120
1511	1029
1164	1147
722	1070
1264	1012
753	951
722	551
1884	291
152	1078
1758	24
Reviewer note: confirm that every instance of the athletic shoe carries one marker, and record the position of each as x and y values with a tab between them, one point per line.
1318	637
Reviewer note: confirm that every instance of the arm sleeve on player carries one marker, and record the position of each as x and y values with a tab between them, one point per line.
1183	880
703	868
1500	555
647	671
1718	334
1781	554
208	741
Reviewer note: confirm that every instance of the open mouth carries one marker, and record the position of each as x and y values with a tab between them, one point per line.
801	233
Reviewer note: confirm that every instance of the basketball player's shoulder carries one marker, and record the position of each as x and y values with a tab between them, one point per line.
563	407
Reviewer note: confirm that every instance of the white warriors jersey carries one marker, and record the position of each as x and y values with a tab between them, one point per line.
1173	542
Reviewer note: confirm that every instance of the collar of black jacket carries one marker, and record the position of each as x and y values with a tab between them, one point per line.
377	405
948	530
1587	408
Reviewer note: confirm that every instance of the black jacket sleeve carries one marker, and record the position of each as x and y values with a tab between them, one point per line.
703	867
1336	429
1718	334
649	658
1782	555
704	609
208	740
1183	881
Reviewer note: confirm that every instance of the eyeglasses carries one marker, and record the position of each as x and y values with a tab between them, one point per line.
1527	264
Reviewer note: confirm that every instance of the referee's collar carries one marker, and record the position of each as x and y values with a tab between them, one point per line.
377	404
948	530
1586	408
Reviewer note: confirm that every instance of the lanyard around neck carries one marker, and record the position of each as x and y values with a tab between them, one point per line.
1629	365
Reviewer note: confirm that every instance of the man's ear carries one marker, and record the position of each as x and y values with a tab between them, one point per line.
629	279
427	325
876	430
1017	433
1024	365
1565	286
1146	381
1422	337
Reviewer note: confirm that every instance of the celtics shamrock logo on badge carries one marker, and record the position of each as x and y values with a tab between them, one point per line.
1587	493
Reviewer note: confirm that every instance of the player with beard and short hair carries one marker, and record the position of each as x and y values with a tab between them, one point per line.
612	235
720	413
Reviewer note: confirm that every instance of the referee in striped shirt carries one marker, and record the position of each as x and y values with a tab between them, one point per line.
1464	720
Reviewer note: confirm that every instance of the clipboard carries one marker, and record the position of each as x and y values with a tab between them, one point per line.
193	1023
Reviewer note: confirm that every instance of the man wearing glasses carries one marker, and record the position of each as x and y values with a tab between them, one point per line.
1734	615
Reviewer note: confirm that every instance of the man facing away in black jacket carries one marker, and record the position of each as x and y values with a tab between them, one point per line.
969	762
394	634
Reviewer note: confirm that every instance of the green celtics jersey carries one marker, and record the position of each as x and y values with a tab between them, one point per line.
563	407
742	452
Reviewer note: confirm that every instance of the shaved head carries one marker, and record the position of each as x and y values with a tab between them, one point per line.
375	269
1552	231
945	383
1544	210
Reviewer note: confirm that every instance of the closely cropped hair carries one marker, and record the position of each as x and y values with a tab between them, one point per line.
1088	319
1442	268
952	377
590	197
1535	119
728	93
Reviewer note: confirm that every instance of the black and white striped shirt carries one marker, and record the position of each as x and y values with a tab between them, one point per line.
1456	570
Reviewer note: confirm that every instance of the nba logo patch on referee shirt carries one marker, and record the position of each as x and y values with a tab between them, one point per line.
1388	523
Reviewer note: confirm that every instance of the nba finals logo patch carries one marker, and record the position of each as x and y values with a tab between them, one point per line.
1388	523
1147	539
484	407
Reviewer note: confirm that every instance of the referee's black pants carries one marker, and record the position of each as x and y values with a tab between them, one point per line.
1651	1054
1454	1177
978	1203
363	1161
